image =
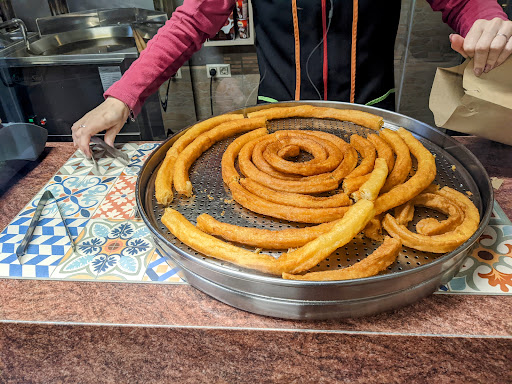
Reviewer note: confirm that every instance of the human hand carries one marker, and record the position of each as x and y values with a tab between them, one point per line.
109	116
488	42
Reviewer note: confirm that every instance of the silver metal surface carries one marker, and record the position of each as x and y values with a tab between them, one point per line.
98	18
107	49
414	274
94	37
23	29
68	22
86	41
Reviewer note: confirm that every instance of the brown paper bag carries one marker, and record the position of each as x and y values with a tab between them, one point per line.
480	106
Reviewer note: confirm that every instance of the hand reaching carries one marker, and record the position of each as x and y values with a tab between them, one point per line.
109	116
488	42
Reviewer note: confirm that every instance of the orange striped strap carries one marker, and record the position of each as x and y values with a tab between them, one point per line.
353	52
297	49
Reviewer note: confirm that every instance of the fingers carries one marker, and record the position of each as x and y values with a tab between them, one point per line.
80	138
498	45
485	43
458	44
480	43
109	116
84	129
111	134
505	53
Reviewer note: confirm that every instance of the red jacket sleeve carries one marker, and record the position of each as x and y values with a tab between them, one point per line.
461	14
190	25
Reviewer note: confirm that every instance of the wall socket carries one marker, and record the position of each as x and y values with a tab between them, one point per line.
223	70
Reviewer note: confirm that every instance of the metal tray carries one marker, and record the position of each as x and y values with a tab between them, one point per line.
414	275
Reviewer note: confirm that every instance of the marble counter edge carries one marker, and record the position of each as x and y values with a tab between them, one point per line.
182	306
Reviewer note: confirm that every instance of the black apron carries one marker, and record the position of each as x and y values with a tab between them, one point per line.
275	45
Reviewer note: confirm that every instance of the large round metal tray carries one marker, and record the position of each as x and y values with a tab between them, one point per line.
414	275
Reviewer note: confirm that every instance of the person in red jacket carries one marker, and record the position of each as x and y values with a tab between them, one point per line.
351	41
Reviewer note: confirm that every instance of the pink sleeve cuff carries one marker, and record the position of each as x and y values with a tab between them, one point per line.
460	15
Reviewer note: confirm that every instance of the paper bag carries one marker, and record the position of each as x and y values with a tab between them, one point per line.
480	106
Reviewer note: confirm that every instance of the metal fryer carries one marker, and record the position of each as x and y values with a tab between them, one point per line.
414	275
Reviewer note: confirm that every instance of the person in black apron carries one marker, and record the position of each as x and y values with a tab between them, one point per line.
376	28
339	50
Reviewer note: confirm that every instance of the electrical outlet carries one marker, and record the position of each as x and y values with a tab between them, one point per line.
223	70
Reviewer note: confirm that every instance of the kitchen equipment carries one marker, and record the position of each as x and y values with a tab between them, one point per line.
69	67
414	275
20	144
22	28
22	248
21	141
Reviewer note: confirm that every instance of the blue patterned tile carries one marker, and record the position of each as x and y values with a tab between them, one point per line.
47	247
488	268
161	269
110	250
139	157
498	216
78	197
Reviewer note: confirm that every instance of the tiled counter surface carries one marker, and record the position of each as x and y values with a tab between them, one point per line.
80	331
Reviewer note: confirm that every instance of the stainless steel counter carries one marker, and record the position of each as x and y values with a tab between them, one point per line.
62	75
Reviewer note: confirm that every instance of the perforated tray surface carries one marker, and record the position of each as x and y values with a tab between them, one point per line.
212	196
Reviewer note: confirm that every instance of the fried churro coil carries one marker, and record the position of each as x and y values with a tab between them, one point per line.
403	162
229	172
295	199
422	179
265	207
310	184
262	238
445	242
254	152
431	226
283	205
379	260
364	119
204	141
331	158
164	177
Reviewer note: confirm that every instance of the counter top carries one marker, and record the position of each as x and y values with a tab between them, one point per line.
62	331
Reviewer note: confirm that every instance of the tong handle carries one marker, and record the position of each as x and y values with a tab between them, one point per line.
47	195
22	249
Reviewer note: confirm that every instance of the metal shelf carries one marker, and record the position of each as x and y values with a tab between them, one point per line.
236	41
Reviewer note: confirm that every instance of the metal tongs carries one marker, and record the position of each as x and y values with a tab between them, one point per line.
114	152
47	195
